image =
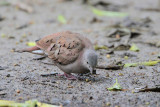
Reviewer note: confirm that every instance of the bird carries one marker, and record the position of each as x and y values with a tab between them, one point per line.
70	52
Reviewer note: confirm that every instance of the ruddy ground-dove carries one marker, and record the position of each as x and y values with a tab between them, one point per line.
70	52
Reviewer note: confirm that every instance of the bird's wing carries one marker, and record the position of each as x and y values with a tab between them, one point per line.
63	47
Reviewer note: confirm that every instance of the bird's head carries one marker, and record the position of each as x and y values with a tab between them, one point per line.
90	59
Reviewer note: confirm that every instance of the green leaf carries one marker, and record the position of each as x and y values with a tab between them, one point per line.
31	43
108	13
115	87
5	103
29	103
96	47
62	19
134	48
3	35
149	63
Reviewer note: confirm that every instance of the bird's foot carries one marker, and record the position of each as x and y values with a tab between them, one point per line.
68	76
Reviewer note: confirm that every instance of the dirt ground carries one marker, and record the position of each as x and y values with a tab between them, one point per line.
22	78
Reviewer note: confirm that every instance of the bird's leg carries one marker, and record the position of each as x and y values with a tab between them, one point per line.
68	76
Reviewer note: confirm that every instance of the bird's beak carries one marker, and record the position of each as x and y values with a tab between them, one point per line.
91	69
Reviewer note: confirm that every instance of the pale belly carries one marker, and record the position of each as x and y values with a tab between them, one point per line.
73	68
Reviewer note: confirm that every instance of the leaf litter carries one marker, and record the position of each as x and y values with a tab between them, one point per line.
115	87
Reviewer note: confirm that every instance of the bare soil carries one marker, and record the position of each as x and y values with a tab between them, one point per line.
22	73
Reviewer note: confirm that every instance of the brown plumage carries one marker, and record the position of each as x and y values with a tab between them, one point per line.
71	52
62	47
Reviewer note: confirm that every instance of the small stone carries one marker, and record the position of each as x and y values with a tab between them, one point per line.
16	64
87	80
118	36
8	75
12	50
142	67
17	43
21	40
107	74
108	56
53	81
18	91
70	87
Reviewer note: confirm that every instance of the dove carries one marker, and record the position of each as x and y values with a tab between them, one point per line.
70	52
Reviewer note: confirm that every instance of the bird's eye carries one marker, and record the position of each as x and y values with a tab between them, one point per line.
87	62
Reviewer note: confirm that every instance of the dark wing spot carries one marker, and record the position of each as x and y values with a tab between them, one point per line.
58	51
47	41
52	47
69	45
51	40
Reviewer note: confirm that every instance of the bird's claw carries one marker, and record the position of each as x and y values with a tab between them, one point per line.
68	76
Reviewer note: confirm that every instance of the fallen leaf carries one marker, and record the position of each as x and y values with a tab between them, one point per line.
149	63
39	104
24	7
134	48
150	9
115	87
125	57
118	32
120	74
22	26
96	47
31	43
120	47
62	19
110	67
99	12
146	89
3	35
29	103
